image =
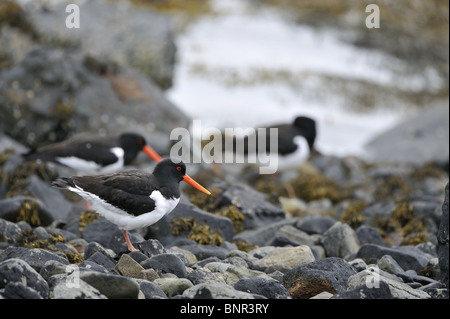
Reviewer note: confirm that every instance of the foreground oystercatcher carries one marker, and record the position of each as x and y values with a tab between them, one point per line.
132	199
95	154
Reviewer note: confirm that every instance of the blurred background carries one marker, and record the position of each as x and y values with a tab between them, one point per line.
153	65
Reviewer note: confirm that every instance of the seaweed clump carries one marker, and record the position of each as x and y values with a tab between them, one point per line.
312	185
198	232
86	218
28	239
213	204
352	214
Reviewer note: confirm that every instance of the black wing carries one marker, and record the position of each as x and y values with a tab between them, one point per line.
95	149
127	190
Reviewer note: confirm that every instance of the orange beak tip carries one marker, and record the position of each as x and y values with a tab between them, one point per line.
193	183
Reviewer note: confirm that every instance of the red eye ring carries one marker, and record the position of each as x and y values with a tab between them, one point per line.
179	168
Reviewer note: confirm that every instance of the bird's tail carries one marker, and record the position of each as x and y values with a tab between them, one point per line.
64	182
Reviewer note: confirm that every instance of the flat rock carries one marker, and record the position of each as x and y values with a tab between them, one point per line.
166	263
112	286
314	224
35	257
173	286
215	290
408	257
372	276
269	288
286	257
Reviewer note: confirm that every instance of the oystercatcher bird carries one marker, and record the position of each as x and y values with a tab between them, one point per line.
95	154
132	199
295	142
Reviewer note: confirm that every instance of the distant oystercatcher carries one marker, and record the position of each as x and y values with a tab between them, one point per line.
295	142
132	199
95	154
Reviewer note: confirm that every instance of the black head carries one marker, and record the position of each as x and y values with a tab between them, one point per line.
170	170
132	144
307	127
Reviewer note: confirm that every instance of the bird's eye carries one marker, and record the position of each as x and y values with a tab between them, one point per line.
179	168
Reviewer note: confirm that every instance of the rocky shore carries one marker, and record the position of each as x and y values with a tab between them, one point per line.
341	229
338	227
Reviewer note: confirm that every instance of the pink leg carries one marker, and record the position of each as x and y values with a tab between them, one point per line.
87	205
130	246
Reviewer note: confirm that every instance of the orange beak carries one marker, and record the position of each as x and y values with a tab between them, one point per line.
189	180
152	154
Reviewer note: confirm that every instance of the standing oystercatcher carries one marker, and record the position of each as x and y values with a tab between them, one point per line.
95	154
132	199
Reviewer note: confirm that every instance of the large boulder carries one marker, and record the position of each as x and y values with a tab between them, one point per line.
55	93
429	129
136	37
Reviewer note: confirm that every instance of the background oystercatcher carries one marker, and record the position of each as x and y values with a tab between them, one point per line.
95	154
295	142
132	199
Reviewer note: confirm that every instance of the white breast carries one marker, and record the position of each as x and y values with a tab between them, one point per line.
91	166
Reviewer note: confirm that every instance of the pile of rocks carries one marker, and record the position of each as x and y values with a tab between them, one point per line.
233	244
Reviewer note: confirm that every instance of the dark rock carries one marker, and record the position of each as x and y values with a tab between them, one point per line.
18	290
17	270
143	39
102	260
137	256
10	209
340	240
94	247
369	235
79	94
408	257
9	232
51	268
257	210
112	286
162	230
262	235
364	292
89	265
167	263
109	235
314	224
152	247
329	274
290	236
35	257
269	288
151	291
54	201
443	237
